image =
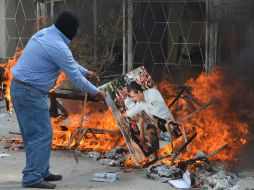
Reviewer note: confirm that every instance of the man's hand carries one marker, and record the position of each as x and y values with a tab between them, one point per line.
101	95
93	76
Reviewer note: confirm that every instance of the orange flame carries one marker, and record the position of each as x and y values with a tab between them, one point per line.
62	77
216	125
8	76
94	119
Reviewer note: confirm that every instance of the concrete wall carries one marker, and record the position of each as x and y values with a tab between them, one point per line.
11	27
2	31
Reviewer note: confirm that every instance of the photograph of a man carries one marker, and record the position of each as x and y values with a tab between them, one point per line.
141	113
152	104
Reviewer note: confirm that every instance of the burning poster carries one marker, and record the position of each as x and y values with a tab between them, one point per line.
141	113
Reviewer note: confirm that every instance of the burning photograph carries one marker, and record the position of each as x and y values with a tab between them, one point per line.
141	113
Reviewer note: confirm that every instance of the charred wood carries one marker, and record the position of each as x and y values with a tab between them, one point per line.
174	156
73	95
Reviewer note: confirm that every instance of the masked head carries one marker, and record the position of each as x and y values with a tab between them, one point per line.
68	23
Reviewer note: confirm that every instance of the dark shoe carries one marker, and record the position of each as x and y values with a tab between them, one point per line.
42	185
53	177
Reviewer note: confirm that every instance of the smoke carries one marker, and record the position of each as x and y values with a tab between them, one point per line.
245	60
244	68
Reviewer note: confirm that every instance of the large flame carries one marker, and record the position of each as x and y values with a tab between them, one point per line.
94	119
8	77
218	124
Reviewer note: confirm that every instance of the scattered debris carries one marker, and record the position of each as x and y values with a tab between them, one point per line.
105	177
106	161
163	172
94	155
217	181
14	133
115	151
2	155
13	144
185	182
200	175
114	157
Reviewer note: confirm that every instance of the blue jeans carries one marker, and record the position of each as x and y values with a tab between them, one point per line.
31	107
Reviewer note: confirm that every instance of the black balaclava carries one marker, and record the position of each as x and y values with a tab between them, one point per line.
67	22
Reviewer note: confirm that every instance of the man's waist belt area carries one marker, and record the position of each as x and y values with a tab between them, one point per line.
24	83
27	84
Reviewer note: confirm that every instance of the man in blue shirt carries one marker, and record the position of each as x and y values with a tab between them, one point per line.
44	57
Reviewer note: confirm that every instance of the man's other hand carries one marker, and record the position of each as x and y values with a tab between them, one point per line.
93	76
101	95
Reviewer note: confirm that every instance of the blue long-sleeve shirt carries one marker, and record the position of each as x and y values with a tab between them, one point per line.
45	55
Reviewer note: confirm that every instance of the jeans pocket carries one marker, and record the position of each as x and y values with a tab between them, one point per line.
16	90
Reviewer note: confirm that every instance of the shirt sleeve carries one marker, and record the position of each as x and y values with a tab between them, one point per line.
134	110
82	70
74	71
155	97
159	106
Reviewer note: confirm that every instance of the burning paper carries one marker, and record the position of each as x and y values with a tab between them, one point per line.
141	113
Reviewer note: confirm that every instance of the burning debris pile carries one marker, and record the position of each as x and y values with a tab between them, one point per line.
205	178
210	120
217	124
195	173
219	120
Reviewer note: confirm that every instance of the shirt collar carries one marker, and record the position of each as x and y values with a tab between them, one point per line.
65	39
